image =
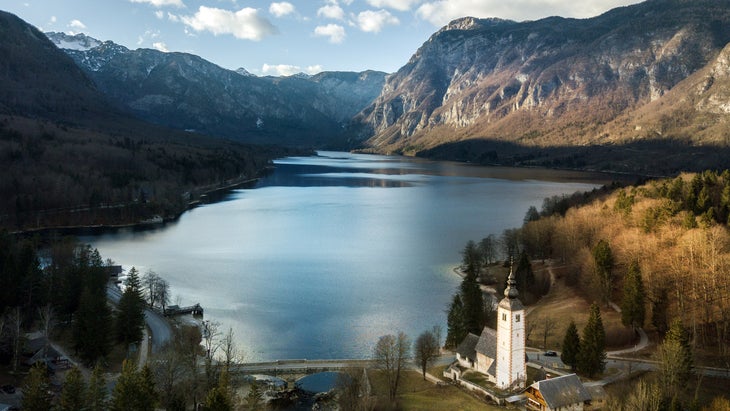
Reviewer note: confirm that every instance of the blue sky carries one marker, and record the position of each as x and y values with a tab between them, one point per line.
284	37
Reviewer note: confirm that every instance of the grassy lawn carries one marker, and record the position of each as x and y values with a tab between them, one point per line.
417	394
563	304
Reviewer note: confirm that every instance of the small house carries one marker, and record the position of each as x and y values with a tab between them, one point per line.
565	393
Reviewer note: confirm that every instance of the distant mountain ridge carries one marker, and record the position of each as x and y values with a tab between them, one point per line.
71	158
486	89
184	91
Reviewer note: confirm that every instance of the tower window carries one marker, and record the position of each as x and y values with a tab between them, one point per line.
504	317
517	318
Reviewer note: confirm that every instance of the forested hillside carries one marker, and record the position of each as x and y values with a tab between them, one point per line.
70	158
677	232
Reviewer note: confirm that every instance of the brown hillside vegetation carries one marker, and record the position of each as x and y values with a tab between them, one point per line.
677	230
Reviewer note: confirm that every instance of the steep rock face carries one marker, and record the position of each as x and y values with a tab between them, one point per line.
187	92
542	83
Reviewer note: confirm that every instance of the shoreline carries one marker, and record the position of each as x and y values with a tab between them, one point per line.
210	196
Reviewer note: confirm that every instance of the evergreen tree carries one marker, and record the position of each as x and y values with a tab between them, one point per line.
659	307
148	393
129	392
531	215
473	300
592	354
92	326
130	317
73	392
456	332
97	396
675	358
36	388
524	275
124	395
571	346
220	398
632	305
603	259
471	261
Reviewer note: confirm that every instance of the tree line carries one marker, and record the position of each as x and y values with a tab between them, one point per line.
55	176
661	250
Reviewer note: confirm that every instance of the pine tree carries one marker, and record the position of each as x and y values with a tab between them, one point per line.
473	301
472	260
220	398
603	259
130	317
675	358
97	396
456	332
92	326
148	393
73	391
592	354
632	305
129	392
524	275
35	389
571	346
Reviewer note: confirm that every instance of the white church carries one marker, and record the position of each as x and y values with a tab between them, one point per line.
498	354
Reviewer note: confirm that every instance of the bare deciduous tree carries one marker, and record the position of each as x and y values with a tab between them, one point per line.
390	355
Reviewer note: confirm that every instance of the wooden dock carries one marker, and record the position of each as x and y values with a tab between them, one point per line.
177	310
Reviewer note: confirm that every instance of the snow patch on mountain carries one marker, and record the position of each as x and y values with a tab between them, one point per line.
78	42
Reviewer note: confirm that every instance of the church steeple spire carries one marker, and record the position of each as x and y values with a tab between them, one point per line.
511	290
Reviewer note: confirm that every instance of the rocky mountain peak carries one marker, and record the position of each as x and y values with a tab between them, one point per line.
548	82
473	23
79	41
245	73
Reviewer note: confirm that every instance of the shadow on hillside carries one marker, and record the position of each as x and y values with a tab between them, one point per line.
645	157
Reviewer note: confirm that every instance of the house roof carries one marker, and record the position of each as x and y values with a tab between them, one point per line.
467	348
487	344
562	391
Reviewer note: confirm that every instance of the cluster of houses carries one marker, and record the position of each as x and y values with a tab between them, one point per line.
499	357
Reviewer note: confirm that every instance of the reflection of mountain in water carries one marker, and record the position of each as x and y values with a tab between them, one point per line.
323	176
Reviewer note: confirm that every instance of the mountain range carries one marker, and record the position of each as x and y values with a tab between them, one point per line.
72	157
186	92
651	76
638	89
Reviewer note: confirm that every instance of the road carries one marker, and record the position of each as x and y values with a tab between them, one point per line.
157	324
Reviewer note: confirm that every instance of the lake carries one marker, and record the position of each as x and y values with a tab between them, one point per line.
327	253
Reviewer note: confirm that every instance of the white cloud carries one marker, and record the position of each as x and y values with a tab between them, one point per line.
331	11
243	24
440	12
281	9
76	25
161	3
335	32
160	14
160	46
374	21
53	19
401	5
289	70
317	68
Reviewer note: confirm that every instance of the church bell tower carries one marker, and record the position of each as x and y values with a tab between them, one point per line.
511	369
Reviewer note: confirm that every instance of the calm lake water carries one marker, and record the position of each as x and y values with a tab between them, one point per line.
328	253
